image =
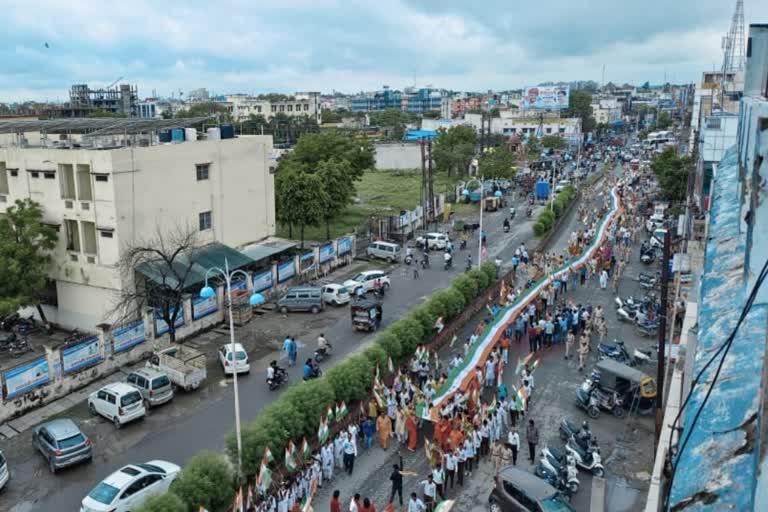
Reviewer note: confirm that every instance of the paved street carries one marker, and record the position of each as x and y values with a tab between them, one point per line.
201	420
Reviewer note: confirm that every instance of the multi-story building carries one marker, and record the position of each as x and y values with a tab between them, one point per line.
103	194
117	100
300	104
416	101
154	108
606	110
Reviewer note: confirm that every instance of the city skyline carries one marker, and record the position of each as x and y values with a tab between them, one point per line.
354	46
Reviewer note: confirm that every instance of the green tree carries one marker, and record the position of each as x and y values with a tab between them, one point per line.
206	109
339	189
167	502
100	112
664	121
25	245
533	147
300	199
454	148
313	148
207	480
553	142
671	171
581	106
497	163
393	121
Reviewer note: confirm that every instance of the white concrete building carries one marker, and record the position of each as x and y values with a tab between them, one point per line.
300	104
101	199
606	110
511	123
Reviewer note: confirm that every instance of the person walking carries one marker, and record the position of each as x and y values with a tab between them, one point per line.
532	437
513	441
413	435
603	279
396	477
400	431
451	460
496	457
430	493
367	506
438	476
506	455
350	452
335	502
384	429
289	347
583	351
570	339
415	504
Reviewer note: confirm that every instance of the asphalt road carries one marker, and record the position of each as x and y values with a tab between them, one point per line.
201	420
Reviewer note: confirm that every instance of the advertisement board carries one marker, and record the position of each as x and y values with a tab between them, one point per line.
202	307
241	284
81	355
326	252
29	376
161	326
550	97
128	335
285	271
262	281
345	245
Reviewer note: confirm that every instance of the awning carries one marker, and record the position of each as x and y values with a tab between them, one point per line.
264	250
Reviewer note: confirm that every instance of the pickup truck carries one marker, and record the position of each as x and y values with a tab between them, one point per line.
184	365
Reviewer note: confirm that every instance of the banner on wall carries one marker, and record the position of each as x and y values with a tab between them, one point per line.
345	245
262	281
551	97
128	335
326	252
239	285
307	261
29	376
285	271
161	326
202	307
81	355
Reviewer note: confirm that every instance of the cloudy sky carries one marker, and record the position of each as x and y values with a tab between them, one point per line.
351	45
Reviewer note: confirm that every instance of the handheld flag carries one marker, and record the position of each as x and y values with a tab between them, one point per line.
390	366
323	432
290	461
239	501
268	457
265	478
341	411
534	365
305	451
329	415
521	362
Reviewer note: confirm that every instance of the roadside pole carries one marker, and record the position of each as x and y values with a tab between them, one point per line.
482	207
660	370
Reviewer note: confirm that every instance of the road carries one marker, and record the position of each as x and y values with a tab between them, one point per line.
201	420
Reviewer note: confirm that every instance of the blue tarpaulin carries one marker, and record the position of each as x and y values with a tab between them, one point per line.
420	134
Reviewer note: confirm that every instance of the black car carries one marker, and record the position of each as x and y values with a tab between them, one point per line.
515	490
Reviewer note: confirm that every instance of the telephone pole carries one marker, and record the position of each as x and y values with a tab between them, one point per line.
660	369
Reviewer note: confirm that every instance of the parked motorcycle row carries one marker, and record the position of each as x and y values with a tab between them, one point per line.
644	313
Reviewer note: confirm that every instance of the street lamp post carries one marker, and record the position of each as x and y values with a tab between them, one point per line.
255	299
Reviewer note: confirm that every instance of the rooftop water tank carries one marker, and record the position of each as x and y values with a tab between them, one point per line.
213	134
227	131
190	133
164	136
177	135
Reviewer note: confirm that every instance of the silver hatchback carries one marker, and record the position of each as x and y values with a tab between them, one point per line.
62	443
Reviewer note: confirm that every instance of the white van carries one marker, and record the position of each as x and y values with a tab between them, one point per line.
384	250
433	240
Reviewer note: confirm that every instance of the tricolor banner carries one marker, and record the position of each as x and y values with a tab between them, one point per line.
460	378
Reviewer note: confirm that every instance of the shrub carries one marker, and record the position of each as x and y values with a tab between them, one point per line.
390	343
425	319
167	502
455	301
480	278
311	400
489	269
409	333
377	357
466	286
207	480
437	306
558	207
547	217
539	229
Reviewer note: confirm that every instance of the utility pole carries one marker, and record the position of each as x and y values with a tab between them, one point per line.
430	182
661	370
423	184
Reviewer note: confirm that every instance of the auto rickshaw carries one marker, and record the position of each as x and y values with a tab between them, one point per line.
366	314
637	389
492	204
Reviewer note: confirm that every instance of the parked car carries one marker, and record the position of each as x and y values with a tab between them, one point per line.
129	487
4	473
366	280
241	365
335	294
62	443
433	240
185	366
154	386
118	402
384	250
304	298
515	490
654	222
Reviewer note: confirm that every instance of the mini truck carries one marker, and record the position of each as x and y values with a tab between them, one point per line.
184	366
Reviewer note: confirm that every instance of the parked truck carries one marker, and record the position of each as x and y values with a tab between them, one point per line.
184	365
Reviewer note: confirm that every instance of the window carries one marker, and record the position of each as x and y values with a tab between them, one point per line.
282	108
111	399
102	178
35	174
306	107
202	171
290	108
49	175
106	234
205	220
274	108
549	130
14	172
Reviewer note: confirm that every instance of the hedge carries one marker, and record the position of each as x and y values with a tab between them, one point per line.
167	502
549	216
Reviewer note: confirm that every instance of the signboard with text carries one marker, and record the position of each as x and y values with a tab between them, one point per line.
161	326
345	245
81	355
286	271
128	335
26	377
202	307
326	252
262	281
546	97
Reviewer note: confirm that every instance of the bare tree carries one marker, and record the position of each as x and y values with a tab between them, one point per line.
169	257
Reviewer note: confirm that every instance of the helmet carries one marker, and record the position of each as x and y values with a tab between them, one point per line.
584	425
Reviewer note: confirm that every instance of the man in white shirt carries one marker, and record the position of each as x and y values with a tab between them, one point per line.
415	504
430	493
513	440
438	476
451	462
350	451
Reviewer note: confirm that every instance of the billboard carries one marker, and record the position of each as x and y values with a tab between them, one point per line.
81	355
127	336
262	281
327	252
285	271
23	378
202	307
549	97
161	326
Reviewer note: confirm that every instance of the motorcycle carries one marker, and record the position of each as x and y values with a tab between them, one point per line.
314	371
647	253
592	398
618	352
529	212
425	261
512	213
408	259
558	468
648	327
587	459
322	353
647	281
281	376
463	244
506	228
448	264
568	429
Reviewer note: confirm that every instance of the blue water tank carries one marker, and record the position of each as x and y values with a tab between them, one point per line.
165	136
227	131
177	135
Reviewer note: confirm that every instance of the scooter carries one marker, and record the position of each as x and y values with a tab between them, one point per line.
506	228
322	353
648	327
588	460
408	259
529	212
586	399
562	465
618	352
425	261
448	264
463	244
281	376
568	429
512	213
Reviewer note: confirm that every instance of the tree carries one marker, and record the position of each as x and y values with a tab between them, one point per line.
533	146
169	258
205	109
663	121
497	163
431	114
300	198
167	502
581	106
207	480
314	148
393	121
553	142
25	245
339	189
454	148
672	171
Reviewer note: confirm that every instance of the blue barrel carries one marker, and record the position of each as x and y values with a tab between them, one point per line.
227	131
165	136
177	135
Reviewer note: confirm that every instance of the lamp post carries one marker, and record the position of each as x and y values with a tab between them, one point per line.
482	200
255	299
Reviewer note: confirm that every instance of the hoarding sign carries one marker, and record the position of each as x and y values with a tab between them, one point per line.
81	355
285	271
345	245
239	285
29	376
552	97
262	281
161	326
326	252
202	307
128	335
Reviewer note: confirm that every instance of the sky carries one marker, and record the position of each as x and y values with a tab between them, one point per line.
258	46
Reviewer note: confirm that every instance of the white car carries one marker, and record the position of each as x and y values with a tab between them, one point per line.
118	402
128	488
366	280
241	365
335	294
433	240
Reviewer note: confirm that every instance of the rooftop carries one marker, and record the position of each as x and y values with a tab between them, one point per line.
93	127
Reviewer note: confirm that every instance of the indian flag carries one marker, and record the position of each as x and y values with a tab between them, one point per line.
492	406
390	365
534	365
380	401
428	449
444	506
305	451
268	457
265	478
329	415
323	432
290	461
341	410
521	362
521	398
239	501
